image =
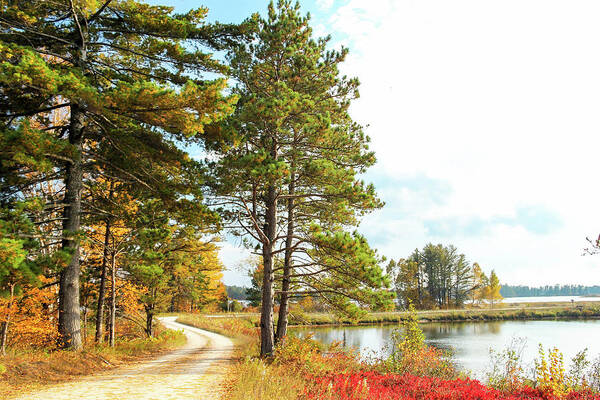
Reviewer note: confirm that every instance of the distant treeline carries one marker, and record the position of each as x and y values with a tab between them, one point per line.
555	290
236	292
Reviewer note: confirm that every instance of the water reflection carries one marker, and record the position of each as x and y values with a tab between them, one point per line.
470	342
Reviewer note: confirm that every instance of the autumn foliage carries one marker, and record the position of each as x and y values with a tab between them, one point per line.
373	385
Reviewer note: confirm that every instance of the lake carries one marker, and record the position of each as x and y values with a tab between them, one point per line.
471	342
549	299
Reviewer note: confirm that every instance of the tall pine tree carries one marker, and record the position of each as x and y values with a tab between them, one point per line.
292	185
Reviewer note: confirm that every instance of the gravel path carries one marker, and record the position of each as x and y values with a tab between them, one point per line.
195	371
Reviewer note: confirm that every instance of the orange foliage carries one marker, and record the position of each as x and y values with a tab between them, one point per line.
34	318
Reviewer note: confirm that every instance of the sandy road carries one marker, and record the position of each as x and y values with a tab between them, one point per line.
195	371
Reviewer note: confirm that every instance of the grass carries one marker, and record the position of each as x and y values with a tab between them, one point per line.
521	312
254	379
242	331
29	369
530	311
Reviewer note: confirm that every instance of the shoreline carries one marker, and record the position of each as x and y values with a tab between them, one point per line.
423	321
524	313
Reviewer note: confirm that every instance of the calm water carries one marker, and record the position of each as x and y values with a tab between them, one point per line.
470	342
549	299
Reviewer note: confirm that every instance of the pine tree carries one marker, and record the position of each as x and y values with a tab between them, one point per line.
296	170
17	267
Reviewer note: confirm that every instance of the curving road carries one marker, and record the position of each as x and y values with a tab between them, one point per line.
195	371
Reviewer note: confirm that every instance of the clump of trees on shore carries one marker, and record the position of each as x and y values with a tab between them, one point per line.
439	276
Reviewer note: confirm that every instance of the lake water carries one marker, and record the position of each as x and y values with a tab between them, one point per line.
549	299
471	342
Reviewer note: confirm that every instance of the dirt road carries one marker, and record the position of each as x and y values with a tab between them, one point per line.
195	371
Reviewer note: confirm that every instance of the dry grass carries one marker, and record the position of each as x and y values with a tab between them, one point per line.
250	377
253	379
242	330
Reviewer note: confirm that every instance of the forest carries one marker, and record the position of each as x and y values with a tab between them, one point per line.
106	213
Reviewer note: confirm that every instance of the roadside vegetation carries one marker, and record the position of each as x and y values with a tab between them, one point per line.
26	368
306	369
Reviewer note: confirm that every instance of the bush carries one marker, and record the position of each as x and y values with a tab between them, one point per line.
307	356
506	372
372	385
410	354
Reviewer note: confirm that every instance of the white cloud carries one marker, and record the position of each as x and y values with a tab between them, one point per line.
325	4
499	100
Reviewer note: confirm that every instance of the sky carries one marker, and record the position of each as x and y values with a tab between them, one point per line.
484	116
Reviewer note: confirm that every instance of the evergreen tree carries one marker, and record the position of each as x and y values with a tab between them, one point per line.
17	267
296	170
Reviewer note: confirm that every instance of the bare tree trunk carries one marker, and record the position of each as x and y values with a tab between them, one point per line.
149	320
100	311
282	321
267	339
113	300
69	322
84	331
4	330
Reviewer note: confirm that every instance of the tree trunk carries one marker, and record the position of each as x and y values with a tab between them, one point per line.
84	331
4	330
282	321
149	318
267	339
69	322
113	300
4	335
102	289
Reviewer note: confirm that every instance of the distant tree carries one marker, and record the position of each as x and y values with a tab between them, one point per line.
447	273
493	289
461	279
170	259
254	292
479	283
237	292
548	290
406	281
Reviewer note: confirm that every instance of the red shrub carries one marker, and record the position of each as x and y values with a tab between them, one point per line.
371	385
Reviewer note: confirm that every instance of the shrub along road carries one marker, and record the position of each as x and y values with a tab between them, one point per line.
195	371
